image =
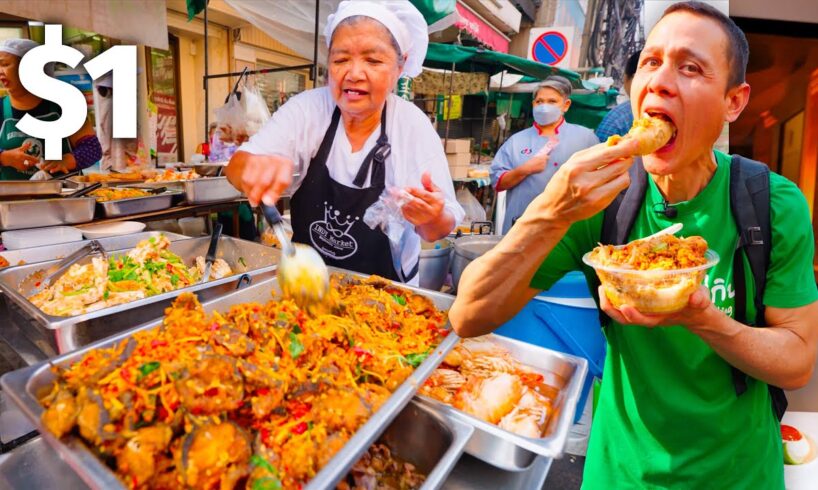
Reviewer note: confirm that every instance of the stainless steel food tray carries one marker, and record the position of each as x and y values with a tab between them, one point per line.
512	452
9	188
137	205
75	183
428	440
56	335
209	189
55	252
35	213
25	385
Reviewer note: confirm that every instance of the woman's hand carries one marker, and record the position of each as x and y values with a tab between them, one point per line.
262	178
67	164
427	204
18	158
427	211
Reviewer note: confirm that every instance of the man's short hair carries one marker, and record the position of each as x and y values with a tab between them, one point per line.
632	64
737	48
561	84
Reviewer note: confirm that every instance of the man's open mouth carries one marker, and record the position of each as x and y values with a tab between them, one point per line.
355	92
658	113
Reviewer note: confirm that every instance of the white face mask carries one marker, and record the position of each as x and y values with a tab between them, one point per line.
545	114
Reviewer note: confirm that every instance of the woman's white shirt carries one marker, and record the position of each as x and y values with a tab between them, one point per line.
296	129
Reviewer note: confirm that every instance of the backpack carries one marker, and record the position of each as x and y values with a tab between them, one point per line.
750	206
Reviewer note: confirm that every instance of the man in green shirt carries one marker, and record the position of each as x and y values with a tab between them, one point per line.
668	414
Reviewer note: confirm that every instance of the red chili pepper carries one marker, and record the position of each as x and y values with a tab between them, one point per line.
265	436
300	428
298	409
175	405
158	343
169	267
211	391
163	413
256	309
362	354
263	391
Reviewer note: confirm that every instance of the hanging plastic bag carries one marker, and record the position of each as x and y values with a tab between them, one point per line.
230	119
256	112
474	210
387	213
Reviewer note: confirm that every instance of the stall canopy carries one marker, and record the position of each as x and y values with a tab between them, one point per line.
439	14
132	22
469	59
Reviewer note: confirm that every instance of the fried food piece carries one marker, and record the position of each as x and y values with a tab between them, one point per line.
138	459
211	386
214	456
651	132
61	416
106	194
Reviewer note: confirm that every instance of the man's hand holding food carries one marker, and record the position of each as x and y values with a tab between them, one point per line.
699	313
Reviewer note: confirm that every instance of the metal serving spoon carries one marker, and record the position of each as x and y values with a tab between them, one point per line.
302	273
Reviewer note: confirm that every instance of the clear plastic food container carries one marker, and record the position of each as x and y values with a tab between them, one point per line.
654	291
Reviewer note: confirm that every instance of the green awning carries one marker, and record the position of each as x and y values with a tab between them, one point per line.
435	10
470	59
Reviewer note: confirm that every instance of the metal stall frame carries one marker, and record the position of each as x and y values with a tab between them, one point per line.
207	76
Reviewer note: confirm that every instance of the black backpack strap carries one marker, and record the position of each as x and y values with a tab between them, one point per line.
620	215
750	205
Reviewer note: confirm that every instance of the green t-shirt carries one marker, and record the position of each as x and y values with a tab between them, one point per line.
668	415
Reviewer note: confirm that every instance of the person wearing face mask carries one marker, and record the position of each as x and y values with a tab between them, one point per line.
527	161
353	139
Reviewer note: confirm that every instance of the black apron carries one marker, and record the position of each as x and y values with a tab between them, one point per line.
329	215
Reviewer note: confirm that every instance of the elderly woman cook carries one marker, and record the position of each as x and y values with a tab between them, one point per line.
350	141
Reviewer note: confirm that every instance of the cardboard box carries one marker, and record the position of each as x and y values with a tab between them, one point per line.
458	145
458	159
459	171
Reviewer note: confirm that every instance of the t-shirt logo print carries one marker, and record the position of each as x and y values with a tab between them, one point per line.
331	236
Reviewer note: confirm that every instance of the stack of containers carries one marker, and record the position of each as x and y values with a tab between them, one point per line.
458	153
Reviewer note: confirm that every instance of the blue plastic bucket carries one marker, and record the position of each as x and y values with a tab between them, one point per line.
564	319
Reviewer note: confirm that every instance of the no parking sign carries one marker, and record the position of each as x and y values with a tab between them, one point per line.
551	45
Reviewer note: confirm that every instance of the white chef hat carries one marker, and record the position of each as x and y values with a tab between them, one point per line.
402	19
17	47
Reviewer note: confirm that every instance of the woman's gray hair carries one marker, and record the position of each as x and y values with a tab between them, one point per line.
357	19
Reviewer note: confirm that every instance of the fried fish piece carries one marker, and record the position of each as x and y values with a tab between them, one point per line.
651	132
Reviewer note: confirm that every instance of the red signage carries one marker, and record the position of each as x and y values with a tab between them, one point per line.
477	27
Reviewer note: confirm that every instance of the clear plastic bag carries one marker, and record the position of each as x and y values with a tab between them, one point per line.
474	210
386	213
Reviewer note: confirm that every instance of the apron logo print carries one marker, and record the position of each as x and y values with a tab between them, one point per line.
525	151
331	236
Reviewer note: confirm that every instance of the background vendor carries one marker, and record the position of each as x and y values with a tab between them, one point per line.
350	141
20	154
527	161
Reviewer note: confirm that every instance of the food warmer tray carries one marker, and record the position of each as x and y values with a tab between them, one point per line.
35	213
209	189
52	252
24	385
27	188
56	334
137	205
513	452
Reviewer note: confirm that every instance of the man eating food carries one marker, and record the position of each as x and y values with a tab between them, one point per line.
688	399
